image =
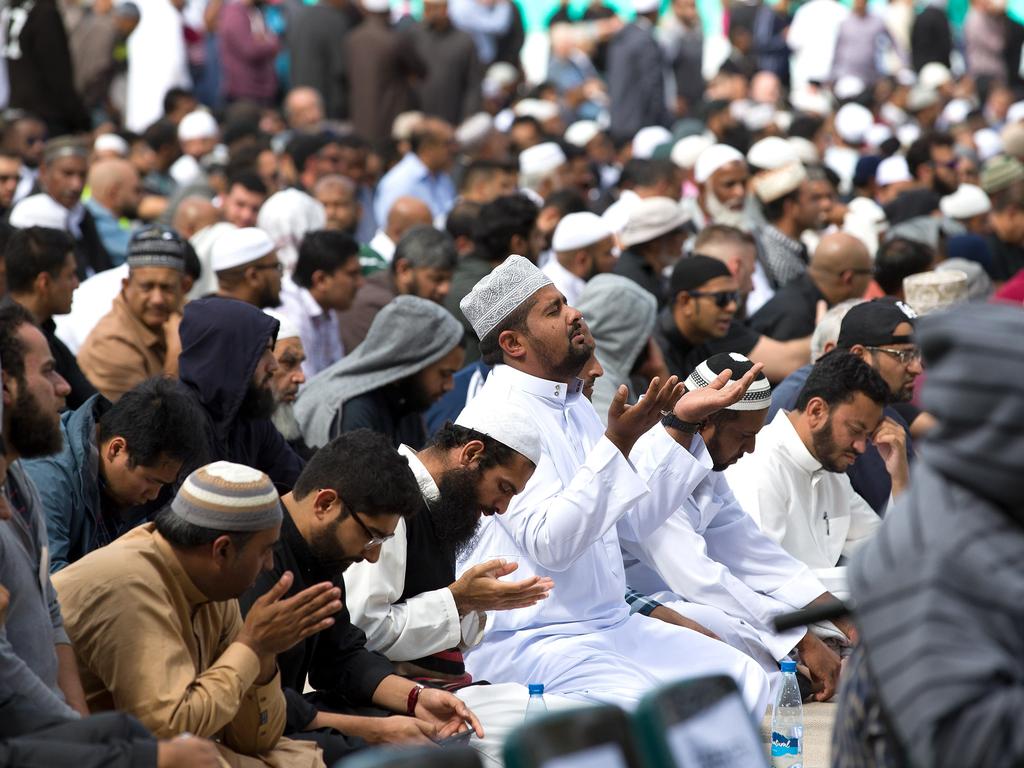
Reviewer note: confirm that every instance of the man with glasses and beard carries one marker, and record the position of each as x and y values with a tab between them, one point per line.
247	268
227	364
410	604
36	658
700	321
880	333
347	502
795	485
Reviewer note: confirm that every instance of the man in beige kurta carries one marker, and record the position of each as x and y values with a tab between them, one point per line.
151	643
138	338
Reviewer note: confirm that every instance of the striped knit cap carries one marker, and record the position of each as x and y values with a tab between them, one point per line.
156	246
228	497
757	397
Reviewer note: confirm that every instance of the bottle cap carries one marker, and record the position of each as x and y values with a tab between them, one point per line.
536	689
788	665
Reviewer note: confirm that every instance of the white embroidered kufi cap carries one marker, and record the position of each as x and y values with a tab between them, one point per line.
499	294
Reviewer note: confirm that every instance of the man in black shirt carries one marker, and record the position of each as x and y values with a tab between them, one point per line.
840	269
346	503
700	322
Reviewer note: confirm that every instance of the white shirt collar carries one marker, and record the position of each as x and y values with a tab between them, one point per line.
561	276
558	392
428	488
791	443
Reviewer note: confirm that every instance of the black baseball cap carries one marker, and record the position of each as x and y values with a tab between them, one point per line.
872	323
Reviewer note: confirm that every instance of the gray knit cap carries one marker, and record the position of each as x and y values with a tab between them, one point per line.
228	497
156	246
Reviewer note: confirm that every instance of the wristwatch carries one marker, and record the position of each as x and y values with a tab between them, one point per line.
686	427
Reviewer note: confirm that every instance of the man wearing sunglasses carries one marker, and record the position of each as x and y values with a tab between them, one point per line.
349	500
700	322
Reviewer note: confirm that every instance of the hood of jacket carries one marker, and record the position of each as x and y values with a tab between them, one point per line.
222	341
405	337
621	316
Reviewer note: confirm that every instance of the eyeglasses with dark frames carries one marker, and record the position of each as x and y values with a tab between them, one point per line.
374	539
905	356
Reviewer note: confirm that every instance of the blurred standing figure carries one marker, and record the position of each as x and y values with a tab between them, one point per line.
636	75
248	48
315	43
451	88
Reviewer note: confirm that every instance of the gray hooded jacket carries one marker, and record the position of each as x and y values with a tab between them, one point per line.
621	317
405	337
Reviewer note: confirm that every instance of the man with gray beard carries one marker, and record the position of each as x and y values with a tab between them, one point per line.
721	174
285	383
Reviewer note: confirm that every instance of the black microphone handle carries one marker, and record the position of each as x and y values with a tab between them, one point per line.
812	615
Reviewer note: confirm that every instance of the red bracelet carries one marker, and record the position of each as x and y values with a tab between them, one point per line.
414	697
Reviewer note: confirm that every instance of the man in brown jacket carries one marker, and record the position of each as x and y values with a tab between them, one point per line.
138	338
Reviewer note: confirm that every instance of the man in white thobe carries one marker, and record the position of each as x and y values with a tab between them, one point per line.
409	604
590	483
734	579
795	485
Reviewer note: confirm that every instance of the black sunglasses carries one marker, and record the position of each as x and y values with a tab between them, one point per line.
721	298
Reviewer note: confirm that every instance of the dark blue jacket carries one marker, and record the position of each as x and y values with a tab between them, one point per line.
222	341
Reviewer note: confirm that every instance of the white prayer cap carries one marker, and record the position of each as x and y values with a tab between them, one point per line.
111	142
929	292
783	120
539	109
848	87
498	294
758	395
892	170
651	218
541	159
578	230
968	201
867	209
406	124
934	75
906	77
1015	113
239	247
582	132
921	97
988	142
474	129
771	152
955	112
646	6
759	116
376	6
812	102
877	135
510	425
769	186
852	123
806	151
687	150
648	139
908	134
39	211
500	74
287	329
197	125
713	159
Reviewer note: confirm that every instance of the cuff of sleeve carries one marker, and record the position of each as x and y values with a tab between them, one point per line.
243	659
800	590
452	622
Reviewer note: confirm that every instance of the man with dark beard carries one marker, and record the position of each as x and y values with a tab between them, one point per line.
409	602
36	657
347	502
795	485
227	364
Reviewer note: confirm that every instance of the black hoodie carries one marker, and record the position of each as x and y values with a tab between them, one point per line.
222	341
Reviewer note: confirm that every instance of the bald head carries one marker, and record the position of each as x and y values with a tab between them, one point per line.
339	196
115	185
406	213
193	214
304	109
841	267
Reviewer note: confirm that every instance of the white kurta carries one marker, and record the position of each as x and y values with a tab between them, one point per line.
732	572
156	62
582	641
814	514
428	623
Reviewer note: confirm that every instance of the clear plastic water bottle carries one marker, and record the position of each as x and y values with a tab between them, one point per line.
535	707
788	721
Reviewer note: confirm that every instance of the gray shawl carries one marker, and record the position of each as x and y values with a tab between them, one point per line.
621	317
405	337
940	590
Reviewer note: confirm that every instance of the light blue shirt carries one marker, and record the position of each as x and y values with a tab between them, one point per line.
484	23
113	234
411	178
